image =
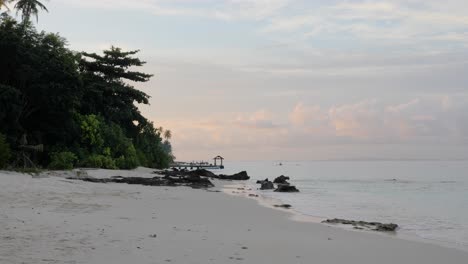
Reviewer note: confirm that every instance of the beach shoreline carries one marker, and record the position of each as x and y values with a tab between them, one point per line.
55	220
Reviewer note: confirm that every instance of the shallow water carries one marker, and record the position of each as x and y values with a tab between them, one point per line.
428	199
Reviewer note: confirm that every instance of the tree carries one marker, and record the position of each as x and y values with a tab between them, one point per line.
4	152
28	8
40	86
108	92
167	134
83	104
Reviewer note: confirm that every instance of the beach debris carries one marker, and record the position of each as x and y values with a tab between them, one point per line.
286	188
286	206
244	247
153	236
267	185
193	181
253	195
281	180
375	226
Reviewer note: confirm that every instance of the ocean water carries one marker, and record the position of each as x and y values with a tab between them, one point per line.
427	199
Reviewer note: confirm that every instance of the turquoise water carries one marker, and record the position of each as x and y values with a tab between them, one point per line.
428	199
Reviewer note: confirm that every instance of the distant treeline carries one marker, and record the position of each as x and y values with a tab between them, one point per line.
80	106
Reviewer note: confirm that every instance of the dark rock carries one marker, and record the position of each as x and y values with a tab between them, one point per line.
267	185
206	173
286	188
386	227
281	180
241	176
253	195
202	172
261	181
193	181
287	206
376	226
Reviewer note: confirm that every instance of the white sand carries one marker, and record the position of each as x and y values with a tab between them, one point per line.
54	220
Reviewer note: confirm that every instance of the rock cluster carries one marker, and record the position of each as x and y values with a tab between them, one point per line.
193	181
241	176
376	226
282	184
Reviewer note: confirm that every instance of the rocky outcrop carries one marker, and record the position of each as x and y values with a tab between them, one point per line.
281	180
193	181
267	185
286	188
202	172
375	226
241	176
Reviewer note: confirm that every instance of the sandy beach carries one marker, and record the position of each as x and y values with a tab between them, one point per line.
54	220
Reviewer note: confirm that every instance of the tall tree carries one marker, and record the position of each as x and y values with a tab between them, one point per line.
167	134
28	8
108	92
40	85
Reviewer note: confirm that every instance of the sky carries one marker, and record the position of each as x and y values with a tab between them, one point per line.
291	79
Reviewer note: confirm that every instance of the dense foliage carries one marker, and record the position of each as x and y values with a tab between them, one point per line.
4	152
77	103
62	160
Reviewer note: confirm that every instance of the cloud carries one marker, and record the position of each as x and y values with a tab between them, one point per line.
398	22
418	122
261	119
223	10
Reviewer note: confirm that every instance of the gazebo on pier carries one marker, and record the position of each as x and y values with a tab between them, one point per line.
221	161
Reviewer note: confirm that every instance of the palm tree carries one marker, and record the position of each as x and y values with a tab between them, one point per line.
167	134
28	8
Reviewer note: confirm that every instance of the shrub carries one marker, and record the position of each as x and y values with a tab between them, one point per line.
129	160
62	160
91	131
99	161
4	152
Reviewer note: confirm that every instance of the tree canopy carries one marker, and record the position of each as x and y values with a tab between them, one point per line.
29	8
78	103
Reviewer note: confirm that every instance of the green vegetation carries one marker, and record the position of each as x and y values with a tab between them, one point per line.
81	106
62	160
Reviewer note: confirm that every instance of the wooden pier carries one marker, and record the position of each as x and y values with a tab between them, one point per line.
200	165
